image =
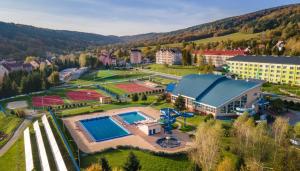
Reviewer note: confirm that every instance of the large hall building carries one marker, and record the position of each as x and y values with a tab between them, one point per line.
216	94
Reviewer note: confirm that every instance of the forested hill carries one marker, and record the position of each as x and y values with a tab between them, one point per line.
18	41
269	19
280	23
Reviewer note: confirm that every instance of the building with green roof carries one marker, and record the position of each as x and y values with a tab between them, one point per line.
216	94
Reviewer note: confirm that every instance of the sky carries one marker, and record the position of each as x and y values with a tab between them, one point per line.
126	17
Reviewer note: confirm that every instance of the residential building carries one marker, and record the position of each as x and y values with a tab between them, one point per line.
283	70
216	94
168	56
215	57
135	56
9	66
107	58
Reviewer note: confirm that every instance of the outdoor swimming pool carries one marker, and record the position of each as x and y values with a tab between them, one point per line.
132	117
103	128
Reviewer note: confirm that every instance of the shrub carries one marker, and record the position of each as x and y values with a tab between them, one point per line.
135	97
144	97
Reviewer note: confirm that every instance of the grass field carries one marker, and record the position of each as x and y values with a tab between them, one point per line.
103	76
175	69
163	81
14	158
148	161
233	37
276	88
7	125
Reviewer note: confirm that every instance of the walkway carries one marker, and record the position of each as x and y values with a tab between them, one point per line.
15	137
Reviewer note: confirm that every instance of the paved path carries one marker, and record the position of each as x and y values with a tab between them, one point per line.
15	137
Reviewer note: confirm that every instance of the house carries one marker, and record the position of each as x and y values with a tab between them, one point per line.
216	94
10	66
214	57
135	56
107	58
168	56
274	69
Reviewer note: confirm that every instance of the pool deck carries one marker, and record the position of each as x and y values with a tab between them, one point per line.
136	139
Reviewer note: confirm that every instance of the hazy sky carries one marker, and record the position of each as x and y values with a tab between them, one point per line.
126	17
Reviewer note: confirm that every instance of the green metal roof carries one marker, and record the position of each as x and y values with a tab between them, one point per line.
213	90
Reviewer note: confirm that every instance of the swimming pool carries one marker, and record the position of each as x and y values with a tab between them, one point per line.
103	128
132	117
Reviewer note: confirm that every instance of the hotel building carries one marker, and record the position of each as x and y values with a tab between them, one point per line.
168	56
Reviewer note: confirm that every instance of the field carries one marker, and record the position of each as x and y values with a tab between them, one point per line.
175	69
41	101
133	87
148	161
281	89
83	95
233	37
107	76
7	125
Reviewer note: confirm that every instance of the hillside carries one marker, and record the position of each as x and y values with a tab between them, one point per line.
263	28
256	22
18	41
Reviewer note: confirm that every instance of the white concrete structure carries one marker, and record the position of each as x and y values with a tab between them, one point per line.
41	147
168	56
59	161
28	151
149	127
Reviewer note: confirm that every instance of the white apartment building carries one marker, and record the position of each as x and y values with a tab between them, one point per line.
168	56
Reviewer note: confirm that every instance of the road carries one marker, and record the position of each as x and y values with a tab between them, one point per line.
15	137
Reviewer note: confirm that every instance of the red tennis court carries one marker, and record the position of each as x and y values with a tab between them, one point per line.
40	101
84	95
133	87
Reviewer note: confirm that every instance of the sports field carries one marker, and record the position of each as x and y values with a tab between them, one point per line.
83	95
41	101
133	88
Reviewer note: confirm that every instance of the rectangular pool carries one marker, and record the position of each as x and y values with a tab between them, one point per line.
103	128
132	117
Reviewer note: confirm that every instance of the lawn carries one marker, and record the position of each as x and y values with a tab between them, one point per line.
14	158
280	89
8	124
174	69
160	80
195	121
148	161
233	37
104	76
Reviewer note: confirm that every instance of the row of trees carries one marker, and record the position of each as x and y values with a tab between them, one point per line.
132	164
252	146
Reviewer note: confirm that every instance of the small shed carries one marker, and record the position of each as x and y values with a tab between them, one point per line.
105	100
150	128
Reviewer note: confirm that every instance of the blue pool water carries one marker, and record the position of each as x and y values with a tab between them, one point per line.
132	117
103	128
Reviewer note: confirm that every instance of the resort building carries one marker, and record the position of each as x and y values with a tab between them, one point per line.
149	127
283	70
216	94
168	56
9	66
107	58
135	56
214	57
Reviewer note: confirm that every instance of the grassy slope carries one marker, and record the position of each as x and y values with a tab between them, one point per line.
7	125
148	161
234	37
14	158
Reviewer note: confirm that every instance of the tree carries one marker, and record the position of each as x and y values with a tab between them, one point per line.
297	129
135	97
226	165
94	167
83	60
280	130
54	78
144	97
105	164
132	163
206	149
179	103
